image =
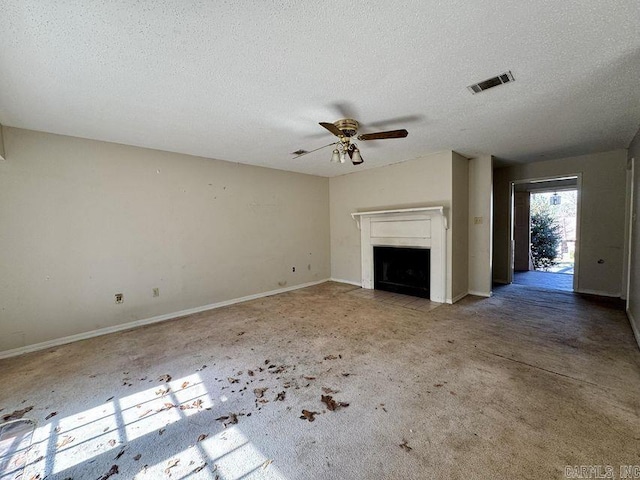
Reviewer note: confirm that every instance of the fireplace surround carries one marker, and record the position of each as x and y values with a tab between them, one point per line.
422	227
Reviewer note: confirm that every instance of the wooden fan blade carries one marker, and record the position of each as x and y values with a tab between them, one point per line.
332	128
314	150
382	135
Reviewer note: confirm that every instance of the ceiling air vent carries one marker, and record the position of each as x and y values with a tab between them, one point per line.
491	82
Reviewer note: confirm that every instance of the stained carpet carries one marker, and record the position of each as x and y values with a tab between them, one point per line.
330	382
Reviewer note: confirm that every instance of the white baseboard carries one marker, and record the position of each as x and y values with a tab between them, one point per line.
598	292
634	327
457	298
480	294
138	323
339	280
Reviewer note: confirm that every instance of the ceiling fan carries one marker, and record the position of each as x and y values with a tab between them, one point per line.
345	129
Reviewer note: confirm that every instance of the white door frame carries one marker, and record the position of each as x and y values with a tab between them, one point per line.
512	184
632	194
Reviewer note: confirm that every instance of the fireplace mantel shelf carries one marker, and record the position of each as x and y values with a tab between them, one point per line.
439	209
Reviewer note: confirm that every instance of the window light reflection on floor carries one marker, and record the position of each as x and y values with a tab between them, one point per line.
69	441
237	458
133	423
228	455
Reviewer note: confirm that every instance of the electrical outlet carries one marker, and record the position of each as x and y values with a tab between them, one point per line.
478	220
119	298
293	269
156	292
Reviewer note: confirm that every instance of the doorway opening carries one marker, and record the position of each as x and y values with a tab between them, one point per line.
545	233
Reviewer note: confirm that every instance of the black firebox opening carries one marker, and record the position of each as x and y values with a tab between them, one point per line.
402	270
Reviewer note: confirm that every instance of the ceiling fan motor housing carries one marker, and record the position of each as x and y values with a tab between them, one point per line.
348	126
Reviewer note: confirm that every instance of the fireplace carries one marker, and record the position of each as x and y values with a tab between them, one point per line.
402	270
420	228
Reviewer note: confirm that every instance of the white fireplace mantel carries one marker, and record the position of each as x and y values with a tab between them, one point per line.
421	227
357	215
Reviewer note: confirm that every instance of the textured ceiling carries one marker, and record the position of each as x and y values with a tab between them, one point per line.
249	81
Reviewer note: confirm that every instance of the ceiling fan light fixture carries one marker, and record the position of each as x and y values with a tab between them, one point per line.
356	159
346	129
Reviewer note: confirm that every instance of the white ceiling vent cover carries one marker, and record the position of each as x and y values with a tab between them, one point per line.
505	77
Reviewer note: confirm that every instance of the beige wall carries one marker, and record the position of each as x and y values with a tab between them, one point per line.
480	234
633	299
602	203
1	144
82	220
459	257
425	181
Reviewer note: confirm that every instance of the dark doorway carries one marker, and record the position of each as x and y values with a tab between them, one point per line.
402	270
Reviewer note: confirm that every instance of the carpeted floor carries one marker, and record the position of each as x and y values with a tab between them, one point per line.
545	280
515	386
